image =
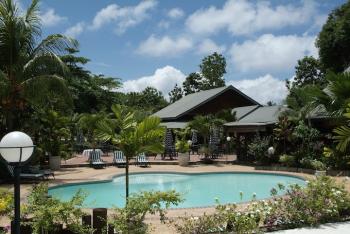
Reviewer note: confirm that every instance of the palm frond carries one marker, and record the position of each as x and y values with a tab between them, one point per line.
342	138
42	64
52	89
56	43
32	18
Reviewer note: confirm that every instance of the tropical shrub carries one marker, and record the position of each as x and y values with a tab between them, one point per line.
258	149
6	203
130	219
287	160
46	213
322	200
306	138
342	137
335	158
182	146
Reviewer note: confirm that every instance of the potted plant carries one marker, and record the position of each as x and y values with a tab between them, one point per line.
54	138
183	149
319	166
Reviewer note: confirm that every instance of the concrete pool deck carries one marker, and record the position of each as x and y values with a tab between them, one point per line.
84	174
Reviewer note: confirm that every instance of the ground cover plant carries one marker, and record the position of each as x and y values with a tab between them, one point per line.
322	200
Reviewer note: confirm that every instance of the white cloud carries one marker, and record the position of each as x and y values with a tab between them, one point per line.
207	46
164	24
240	17
123	17
163	79
51	18
263	89
176	13
75	30
164	46
272	53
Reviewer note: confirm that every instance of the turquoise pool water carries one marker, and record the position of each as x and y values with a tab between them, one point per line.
198	189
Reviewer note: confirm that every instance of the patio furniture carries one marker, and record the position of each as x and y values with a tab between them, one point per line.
36	170
141	160
119	159
86	152
95	160
169	145
28	176
194	146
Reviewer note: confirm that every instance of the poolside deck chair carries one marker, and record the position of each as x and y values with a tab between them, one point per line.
33	170
119	159
95	160
141	160
28	176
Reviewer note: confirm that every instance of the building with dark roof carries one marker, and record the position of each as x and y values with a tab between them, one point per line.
179	113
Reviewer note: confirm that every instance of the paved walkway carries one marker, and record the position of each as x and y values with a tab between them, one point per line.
332	228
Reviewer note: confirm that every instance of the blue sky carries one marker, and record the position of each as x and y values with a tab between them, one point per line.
158	42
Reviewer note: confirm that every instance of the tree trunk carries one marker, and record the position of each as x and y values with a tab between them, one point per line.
127	179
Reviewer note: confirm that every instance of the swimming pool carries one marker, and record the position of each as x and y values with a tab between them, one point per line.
198	189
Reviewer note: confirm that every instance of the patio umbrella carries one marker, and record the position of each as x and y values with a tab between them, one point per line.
214	137
169	140
194	137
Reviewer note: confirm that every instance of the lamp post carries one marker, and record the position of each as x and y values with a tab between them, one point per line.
228	139
16	148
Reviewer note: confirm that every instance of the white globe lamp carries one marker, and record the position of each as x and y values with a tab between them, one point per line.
16	147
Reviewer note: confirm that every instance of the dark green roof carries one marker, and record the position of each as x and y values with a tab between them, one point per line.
261	115
194	100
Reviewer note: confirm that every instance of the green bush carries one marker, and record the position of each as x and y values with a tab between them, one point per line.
130	218
258	149
287	160
321	201
46	213
318	165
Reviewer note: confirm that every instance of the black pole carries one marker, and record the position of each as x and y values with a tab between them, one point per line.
17	171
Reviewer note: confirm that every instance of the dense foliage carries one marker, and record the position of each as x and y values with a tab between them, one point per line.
321	201
130	219
46	213
333	41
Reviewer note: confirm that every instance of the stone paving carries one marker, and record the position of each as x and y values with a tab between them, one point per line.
330	228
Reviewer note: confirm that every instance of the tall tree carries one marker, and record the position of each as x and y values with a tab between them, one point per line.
333	41
213	69
91	93
175	94
30	70
192	83
307	72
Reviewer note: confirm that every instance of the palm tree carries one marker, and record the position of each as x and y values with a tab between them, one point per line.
335	97
131	137
203	124
343	133
283	131
28	65
88	123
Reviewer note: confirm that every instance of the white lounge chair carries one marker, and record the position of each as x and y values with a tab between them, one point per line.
95	160
141	160
119	159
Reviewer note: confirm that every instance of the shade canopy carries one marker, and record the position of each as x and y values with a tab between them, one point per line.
13	143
